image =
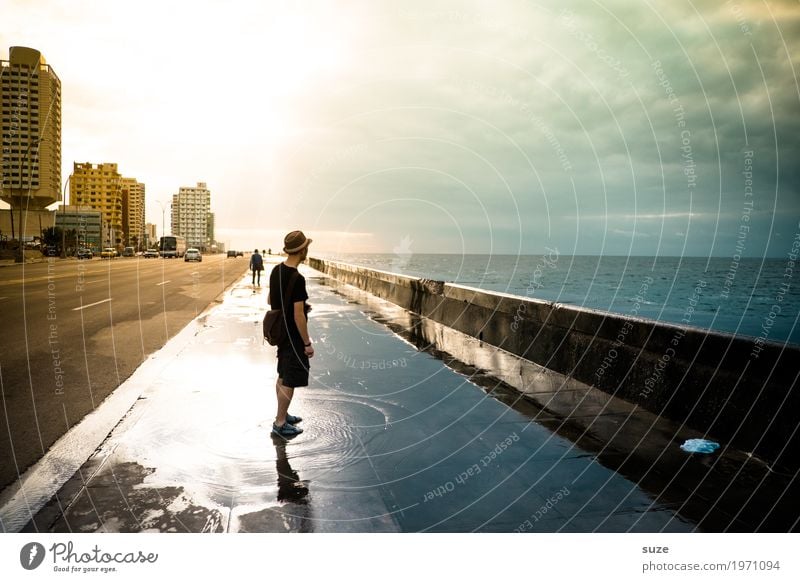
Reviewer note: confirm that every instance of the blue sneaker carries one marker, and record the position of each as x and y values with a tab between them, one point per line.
287	430
292	419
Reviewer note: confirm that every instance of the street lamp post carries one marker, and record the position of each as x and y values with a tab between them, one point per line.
163	212
63	205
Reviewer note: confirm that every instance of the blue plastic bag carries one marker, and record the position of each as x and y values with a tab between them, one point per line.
699	446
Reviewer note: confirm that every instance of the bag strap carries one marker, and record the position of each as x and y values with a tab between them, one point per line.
289	290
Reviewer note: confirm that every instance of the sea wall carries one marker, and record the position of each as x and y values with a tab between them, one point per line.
734	389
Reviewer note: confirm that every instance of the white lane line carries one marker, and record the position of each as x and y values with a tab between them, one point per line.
162	283
91	304
1	298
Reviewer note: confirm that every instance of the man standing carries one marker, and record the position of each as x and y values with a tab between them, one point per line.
285	281
256	265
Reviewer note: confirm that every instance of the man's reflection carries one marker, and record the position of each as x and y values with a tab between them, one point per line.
292	493
290	488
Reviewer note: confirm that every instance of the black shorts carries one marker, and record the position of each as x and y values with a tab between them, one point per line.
292	366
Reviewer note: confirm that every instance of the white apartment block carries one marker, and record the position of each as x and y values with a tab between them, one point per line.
190	209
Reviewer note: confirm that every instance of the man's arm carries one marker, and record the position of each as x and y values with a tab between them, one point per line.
300	320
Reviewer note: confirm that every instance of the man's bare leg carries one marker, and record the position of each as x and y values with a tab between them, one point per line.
284	394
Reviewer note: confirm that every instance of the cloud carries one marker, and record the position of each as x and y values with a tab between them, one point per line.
480	126
630	233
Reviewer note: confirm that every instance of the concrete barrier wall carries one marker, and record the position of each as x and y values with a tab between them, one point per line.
733	389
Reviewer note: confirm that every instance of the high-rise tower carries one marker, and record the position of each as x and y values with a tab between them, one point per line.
133	194
190	208
30	110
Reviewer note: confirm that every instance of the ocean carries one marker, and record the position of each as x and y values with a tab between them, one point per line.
751	297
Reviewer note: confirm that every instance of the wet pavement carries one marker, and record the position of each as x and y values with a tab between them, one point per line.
395	440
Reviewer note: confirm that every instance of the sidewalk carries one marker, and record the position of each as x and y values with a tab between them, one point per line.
394	441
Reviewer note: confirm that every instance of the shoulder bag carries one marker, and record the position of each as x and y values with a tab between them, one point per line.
275	325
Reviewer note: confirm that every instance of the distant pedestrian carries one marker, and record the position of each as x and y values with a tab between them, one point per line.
294	352
256	265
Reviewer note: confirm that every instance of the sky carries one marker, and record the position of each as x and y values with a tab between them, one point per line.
594	127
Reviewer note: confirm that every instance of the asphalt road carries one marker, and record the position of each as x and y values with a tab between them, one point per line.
72	331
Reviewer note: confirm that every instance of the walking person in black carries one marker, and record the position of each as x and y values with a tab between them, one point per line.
256	265
296	349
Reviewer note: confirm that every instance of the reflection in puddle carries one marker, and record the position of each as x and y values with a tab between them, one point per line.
290	488
292	492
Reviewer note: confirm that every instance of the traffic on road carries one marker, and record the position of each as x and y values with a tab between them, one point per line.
73	330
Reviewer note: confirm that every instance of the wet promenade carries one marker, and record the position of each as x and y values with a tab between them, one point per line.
394	440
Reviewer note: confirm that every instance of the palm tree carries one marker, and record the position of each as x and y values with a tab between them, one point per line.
56	238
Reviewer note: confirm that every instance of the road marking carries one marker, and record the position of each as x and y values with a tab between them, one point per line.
1	298
91	304
162	283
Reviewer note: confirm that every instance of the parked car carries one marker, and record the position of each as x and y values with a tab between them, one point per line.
235	254
128	252
84	253
108	253
192	255
150	254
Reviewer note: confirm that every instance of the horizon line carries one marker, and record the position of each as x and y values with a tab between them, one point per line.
686	256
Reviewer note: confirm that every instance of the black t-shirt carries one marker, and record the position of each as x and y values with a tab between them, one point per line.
279	281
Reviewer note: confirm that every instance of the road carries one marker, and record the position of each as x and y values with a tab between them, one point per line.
72	331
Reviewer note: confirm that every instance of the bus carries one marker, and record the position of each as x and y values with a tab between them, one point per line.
172	246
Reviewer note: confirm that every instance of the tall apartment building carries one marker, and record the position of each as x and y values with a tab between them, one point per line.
99	186
190	209
30	113
210	228
133	200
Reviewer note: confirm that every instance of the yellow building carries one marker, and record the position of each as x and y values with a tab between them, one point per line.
133	194
99	186
30	111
